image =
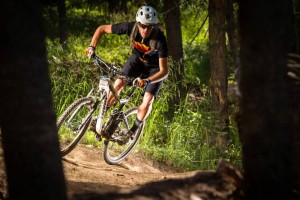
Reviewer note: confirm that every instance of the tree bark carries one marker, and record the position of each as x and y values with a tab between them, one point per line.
266	121
219	83
234	41
294	91
174	39
27	118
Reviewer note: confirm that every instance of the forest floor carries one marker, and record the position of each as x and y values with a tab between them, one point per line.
88	176
87	172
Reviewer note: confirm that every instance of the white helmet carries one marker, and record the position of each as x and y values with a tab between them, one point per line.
146	15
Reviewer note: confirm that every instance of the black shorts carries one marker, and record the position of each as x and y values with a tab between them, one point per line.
136	68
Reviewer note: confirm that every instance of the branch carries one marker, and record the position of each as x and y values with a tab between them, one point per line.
199	30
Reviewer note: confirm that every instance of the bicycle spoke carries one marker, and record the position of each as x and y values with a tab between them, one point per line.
73	124
115	151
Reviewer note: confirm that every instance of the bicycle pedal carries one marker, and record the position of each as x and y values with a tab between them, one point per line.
124	137
119	141
98	137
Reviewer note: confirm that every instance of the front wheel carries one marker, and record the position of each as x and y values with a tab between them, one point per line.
73	123
115	152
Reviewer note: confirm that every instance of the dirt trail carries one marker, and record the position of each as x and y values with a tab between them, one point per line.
86	171
88	176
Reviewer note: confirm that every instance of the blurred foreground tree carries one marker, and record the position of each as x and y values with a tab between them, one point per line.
269	127
27	118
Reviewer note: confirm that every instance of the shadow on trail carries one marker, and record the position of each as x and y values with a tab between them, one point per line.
91	187
224	183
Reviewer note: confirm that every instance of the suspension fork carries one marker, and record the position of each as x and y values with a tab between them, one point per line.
102	111
105	87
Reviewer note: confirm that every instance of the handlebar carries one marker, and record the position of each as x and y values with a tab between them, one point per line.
99	62
111	69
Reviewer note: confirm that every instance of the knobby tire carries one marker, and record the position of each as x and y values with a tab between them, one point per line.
113	152
84	106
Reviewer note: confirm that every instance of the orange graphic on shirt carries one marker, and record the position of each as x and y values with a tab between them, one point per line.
140	47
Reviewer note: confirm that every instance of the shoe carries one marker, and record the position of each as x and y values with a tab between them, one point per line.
123	137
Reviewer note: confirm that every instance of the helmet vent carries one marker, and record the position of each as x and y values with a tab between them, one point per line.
146	14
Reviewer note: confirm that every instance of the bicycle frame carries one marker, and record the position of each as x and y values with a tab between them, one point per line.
122	102
105	88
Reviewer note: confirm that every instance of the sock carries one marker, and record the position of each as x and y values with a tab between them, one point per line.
136	124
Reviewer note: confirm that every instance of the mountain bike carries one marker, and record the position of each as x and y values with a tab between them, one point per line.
92	111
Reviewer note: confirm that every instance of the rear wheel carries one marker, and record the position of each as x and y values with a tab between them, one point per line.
115	152
73	123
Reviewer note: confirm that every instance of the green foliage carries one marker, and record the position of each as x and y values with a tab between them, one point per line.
195	42
197	67
188	141
71	75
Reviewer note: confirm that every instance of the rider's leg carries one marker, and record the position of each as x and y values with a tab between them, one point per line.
131	68
118	85
145	107
143	111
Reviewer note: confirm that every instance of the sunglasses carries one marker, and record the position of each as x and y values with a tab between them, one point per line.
148	27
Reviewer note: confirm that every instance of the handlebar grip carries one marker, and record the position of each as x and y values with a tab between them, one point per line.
136	81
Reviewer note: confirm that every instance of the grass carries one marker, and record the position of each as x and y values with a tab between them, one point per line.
190	141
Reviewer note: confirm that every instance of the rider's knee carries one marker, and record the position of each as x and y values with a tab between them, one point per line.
119	84
147	101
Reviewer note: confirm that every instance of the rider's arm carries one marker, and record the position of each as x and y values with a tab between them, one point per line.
163	71
101	30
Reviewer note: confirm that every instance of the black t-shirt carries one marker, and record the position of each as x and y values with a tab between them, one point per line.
161	50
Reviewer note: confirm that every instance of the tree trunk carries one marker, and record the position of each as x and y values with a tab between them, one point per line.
174	39
62	15
27	118
266	120
218	85
294	91
234	42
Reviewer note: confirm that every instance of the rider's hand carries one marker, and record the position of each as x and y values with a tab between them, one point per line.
90	52
141	82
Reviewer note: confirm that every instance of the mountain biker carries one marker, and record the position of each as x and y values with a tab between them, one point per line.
148	59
